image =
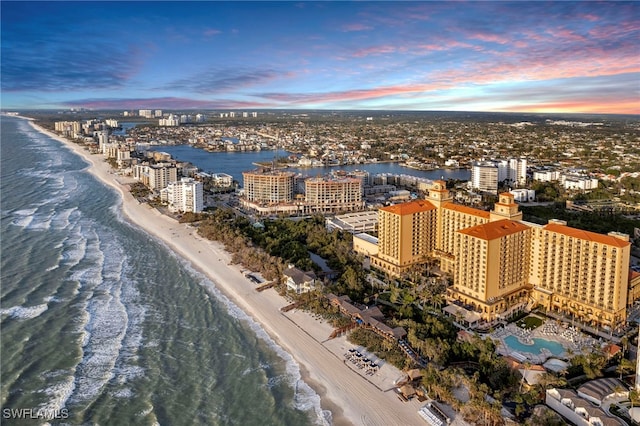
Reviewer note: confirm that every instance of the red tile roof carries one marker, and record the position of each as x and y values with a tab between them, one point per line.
586	235
467	210
411	207
493	230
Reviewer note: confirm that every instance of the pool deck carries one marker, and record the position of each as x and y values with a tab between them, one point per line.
572	340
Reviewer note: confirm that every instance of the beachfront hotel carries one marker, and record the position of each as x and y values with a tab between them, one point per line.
492	267
408	235
581	273
501	264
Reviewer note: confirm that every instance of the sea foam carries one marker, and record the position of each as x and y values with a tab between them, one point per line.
305	398
22	312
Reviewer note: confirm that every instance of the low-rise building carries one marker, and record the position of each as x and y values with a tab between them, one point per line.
356	222
577	410
299	281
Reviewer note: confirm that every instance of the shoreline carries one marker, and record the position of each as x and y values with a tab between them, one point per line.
349	396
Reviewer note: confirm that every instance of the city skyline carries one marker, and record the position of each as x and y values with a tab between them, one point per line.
578	57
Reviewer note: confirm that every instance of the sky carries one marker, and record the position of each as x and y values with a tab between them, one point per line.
569	57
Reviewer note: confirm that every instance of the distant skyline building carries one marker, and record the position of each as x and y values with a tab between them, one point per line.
103	139
68	128
170	121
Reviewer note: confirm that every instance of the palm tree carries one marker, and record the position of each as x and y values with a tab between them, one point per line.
625	366
527	366
548	380
634	396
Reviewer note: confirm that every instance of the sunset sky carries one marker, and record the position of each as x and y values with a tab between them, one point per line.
581	57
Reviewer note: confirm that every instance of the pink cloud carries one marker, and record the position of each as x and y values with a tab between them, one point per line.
350	95
375	50
491	38
356	27
589	17
616	106
565	34
165	103
444	44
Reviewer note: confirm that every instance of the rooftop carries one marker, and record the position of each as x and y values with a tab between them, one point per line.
494	230
586	235
410	207
467	210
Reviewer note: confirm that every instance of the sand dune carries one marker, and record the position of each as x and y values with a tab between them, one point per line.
351	398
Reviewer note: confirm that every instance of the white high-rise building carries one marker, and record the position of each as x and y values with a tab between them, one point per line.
185	195
103	139
512	171
158	113
484	176
518	171
147	113
172	121
111	122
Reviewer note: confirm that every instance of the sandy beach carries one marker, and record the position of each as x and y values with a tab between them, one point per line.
352	397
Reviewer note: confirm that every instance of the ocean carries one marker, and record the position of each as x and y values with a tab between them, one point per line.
103	324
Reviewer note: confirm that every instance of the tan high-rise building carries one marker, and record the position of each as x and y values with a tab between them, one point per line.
501	264
270	186
406	235
328	195
492	268
161	174
451	218
580	273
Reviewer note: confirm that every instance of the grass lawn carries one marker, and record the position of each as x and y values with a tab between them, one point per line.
529	322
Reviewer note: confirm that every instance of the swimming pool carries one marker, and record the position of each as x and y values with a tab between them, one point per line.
538	344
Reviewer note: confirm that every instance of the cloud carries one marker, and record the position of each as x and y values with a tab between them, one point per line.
355	27
225	80
47	54
162	103
346	95
64	67
491	38
375	50
210	32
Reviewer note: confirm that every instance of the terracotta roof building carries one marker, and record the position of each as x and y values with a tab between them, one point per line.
501	264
